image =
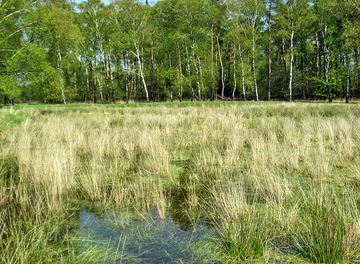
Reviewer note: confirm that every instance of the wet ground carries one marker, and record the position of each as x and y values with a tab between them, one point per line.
130	237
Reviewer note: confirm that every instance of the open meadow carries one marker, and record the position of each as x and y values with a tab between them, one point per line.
202	182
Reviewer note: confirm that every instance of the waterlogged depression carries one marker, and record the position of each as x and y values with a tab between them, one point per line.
135	238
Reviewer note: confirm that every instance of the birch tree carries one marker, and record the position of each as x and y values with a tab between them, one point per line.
11	32
57	32
322	10
292	16
252	12
96	29
131	20
348	13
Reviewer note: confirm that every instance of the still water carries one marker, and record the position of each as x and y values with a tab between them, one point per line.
129	237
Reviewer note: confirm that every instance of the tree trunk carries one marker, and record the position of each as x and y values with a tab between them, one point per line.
106	72
106	66
201	78
283	55
222	69
111	79
227	62
356	51
75	83
269	71
253	51
327	66
317	53
233	93
152	67
102	54
180	75
215	70
196	64
212	63
303	85
61	74
127	86
254	69
140	89
291	64
242	72
189	74
132	91
171	91
127	65
87	84
94	80
137	55
348	79
100	89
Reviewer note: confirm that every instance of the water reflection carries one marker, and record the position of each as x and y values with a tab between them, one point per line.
130	238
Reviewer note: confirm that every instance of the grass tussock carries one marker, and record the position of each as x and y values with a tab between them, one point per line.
259	172
242	225
329	230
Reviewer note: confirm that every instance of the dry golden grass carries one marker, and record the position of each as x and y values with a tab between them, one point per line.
232	161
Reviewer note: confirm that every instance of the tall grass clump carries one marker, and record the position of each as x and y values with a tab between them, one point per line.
246	238
329	227
242	226
30	233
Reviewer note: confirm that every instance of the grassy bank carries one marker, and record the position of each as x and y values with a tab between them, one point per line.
277	181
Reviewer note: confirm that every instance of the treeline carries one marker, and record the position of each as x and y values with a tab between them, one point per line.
56	51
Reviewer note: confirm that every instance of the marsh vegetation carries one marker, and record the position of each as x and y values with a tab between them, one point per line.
269	182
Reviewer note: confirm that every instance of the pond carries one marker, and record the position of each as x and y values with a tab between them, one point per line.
133	237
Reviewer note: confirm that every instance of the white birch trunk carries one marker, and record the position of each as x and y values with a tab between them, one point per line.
87	83
75	83
242	72
201	78
100	89
254	69
137	55
253	52
327	64
171	91
111	79
291	64
61	73
102	54
180	75
189	74
222	70
348	79
200	73
195	60
233	93
94	80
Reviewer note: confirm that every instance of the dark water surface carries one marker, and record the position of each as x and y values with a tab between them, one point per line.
134	238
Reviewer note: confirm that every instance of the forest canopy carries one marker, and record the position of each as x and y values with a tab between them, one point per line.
57	51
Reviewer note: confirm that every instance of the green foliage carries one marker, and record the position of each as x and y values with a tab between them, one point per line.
81	40
9	85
